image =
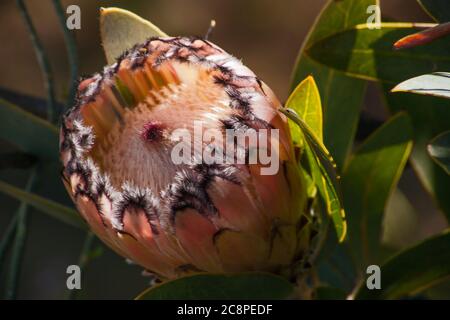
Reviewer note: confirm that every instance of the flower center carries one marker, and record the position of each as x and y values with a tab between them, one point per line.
134	142
153	131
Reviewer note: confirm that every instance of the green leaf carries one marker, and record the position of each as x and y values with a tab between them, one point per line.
52	208
430	117
368	182
436	84
35	105
121	29
341	110
439	10
323	172
16	160
330	293
305	101
412	270
400	222
368	54
221	286
439	150
28	132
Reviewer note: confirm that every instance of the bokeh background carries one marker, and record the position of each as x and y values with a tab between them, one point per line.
266	35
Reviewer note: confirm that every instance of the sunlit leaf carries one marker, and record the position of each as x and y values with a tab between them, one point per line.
28	132
439	150
368	54
52	208
412	270
121	29
341	110
305	101
368	182
436	84
220	286
323	172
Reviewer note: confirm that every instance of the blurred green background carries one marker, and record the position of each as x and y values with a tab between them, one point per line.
265	34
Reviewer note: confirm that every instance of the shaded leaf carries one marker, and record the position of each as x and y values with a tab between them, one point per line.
335	265
28	132
368	54
368	182
121	29
439	150
32	104
437	9
221	286
16	160
341	110
436	84
330	293
52	208
413	270
400	222
430	117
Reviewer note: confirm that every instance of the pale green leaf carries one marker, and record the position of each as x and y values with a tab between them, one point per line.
305	101
436	84
121	29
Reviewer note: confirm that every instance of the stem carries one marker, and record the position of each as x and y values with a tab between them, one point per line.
12	280
42	60
72	55
7	238
84	258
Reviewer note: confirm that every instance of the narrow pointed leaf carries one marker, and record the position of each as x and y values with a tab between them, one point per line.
323	172
439	150
28	132
50	207
423	37
32	104
413	270
305	101
436	84
368	182
221	286
121	29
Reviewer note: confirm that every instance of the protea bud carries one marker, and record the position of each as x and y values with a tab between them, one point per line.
117	148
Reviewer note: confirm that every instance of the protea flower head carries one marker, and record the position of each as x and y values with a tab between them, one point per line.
174	218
